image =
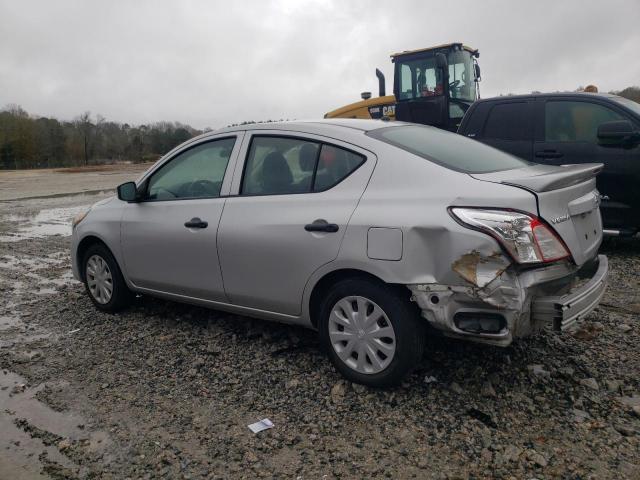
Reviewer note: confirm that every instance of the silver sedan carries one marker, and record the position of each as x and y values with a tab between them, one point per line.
373	233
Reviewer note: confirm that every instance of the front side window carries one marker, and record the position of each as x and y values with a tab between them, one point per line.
576	121
195	173
508	121
286	165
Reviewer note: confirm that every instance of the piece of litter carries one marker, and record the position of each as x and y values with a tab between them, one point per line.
263	424
430	379
74	331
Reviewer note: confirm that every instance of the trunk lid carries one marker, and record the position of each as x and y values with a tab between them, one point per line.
567	200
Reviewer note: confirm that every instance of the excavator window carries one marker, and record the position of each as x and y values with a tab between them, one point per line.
420	77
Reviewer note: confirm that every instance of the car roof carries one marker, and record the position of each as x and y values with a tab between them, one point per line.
320	125
547	95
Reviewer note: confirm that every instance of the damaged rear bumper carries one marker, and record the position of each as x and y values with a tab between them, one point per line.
518	302
564	311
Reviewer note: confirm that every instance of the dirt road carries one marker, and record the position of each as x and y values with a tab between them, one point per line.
27	184
165	390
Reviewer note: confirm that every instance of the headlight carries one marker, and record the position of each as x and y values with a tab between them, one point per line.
78	218
525	237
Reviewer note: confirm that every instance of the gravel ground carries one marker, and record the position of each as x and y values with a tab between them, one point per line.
165	390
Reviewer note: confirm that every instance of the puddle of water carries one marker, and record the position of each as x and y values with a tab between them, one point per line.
19	450
11	262
47	222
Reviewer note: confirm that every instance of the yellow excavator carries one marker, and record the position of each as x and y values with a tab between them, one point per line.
433	86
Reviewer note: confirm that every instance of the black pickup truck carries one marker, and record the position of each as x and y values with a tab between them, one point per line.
563	128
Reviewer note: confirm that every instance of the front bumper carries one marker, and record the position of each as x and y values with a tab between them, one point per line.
526	300
565	311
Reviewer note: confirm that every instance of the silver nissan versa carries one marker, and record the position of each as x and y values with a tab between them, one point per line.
372	233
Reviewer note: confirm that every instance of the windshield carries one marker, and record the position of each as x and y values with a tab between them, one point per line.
630	104
421	78
448	149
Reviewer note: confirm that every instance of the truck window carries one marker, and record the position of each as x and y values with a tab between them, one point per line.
567	121
508	121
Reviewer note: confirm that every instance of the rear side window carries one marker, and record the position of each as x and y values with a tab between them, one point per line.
287	165
448	149
334	165
576	121
509	121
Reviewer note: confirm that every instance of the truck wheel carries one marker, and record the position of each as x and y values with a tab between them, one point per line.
103	280
373	335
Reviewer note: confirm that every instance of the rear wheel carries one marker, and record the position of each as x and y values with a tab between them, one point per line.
103	280
372	333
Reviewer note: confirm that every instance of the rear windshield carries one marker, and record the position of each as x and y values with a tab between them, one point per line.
448	149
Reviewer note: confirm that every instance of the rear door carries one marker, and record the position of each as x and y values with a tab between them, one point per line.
567	134
508	126
294	196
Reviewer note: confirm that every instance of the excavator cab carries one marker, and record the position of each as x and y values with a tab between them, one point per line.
433	86
436	86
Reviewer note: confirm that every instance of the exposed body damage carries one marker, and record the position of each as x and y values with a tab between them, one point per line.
499	289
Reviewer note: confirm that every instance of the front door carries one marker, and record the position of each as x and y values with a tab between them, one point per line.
569	135
169	238
295	198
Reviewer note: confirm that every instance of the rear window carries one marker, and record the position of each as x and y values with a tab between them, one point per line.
448	149
509	121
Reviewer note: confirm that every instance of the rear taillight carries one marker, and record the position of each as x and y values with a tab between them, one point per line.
525	237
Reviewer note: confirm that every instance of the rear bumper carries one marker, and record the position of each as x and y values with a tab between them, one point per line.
526	301
565	311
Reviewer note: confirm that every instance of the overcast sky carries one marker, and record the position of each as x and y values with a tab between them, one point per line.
212	63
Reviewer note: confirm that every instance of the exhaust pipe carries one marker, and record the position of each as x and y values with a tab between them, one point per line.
381	87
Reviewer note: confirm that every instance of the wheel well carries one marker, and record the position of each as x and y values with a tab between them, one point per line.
323	285
83	246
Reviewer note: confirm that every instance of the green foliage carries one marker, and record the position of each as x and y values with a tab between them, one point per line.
632	93
39	142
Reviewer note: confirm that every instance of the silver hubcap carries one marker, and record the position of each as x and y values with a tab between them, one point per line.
99	279
362	335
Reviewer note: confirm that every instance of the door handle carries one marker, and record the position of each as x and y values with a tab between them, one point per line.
549	154
321	226
196	223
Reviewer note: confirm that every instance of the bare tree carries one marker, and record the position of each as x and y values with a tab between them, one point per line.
85	127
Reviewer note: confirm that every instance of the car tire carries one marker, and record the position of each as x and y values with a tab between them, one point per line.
389	354
103	280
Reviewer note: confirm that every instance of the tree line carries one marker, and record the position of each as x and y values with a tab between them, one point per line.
27	141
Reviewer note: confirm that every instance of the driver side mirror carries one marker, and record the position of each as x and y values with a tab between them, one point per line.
127	192
618	133
477	70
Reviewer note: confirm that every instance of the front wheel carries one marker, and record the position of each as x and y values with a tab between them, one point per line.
372	333
103	280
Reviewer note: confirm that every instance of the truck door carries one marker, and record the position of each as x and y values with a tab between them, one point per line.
509	127
567	134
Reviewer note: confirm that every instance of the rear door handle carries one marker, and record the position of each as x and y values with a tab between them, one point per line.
549	154
321	226
196	223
